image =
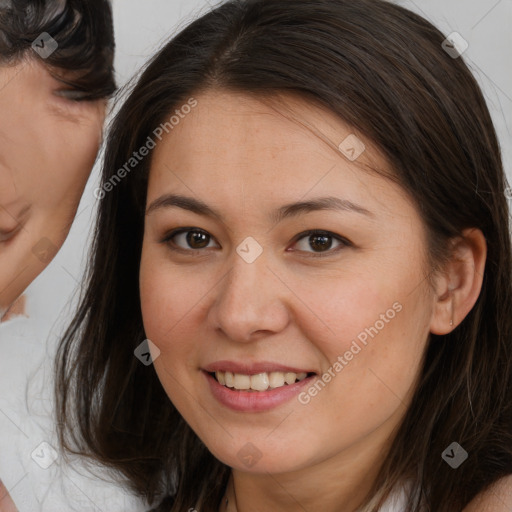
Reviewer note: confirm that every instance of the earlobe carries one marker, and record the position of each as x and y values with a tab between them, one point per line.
458	287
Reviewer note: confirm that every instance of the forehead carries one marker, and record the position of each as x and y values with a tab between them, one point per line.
282	146
235	124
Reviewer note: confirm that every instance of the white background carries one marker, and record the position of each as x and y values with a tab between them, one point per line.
142	26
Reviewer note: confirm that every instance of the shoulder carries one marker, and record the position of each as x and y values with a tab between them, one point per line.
497	498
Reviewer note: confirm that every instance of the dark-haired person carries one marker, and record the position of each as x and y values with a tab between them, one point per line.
56	75
316	257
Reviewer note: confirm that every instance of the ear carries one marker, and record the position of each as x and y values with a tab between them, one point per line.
457	288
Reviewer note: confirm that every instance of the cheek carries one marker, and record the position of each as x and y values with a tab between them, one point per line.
78	149
170	309
167	297
58	162
377	355
340	307
370	326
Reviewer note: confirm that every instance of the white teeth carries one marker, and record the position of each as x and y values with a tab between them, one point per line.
230	380
276	379
290	377
242	381
258	382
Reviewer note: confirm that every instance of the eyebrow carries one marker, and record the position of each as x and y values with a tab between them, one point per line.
284	212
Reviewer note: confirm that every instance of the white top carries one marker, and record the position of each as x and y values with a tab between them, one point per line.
31	468
396	502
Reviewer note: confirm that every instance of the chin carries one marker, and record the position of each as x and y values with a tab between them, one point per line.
259	457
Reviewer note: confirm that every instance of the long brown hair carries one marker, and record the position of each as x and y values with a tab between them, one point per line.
382	69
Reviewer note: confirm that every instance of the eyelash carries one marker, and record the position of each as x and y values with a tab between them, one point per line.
329	252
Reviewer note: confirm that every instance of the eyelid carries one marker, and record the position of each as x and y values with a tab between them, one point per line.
5	235
75	95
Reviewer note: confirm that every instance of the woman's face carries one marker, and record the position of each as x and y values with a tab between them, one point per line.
342	316
48	145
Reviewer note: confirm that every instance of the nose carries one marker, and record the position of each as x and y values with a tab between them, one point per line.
251	302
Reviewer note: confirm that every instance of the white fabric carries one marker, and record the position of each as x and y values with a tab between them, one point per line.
396	502
27	420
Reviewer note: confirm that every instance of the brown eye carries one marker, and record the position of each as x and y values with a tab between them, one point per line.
197	239
189	239
317	242
320	242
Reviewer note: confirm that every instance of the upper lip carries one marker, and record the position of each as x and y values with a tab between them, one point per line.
254	368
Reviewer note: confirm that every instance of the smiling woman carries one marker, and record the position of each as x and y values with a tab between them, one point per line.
55	76
328	221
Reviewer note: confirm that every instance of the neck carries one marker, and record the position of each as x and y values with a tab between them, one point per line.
333	485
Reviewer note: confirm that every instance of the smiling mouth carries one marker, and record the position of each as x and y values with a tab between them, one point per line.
259	382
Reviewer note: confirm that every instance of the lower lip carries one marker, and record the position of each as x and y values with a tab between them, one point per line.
255	401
